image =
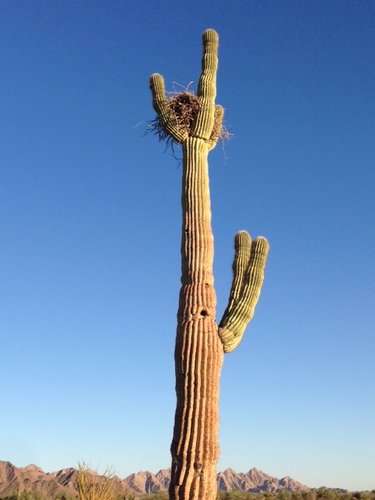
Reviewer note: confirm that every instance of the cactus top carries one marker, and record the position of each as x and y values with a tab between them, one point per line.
185	114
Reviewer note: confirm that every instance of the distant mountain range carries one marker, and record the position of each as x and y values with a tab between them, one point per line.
32	478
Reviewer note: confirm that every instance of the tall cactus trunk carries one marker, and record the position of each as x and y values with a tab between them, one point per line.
199	351
200	342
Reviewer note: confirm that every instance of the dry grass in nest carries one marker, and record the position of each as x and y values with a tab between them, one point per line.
184	107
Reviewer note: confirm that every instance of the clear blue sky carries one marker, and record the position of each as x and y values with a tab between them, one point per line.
90	229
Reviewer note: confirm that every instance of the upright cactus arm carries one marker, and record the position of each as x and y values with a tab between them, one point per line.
248	274
204	122
160	103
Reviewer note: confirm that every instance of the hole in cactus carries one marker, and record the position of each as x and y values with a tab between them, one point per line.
198	467
204	313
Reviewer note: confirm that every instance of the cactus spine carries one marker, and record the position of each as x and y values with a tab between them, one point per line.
200	342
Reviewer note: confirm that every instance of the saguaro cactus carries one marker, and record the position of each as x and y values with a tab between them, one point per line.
195	122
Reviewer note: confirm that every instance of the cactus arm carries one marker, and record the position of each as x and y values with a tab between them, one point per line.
216	130
242	249
207	81
160	105
248	274
207	87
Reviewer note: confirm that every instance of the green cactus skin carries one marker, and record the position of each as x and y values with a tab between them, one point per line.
248	274
200	342
160	105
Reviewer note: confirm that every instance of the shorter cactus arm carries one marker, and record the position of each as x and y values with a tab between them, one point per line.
160	103
248	274
217	128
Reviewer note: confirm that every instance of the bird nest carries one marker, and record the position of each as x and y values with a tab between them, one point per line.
184	107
